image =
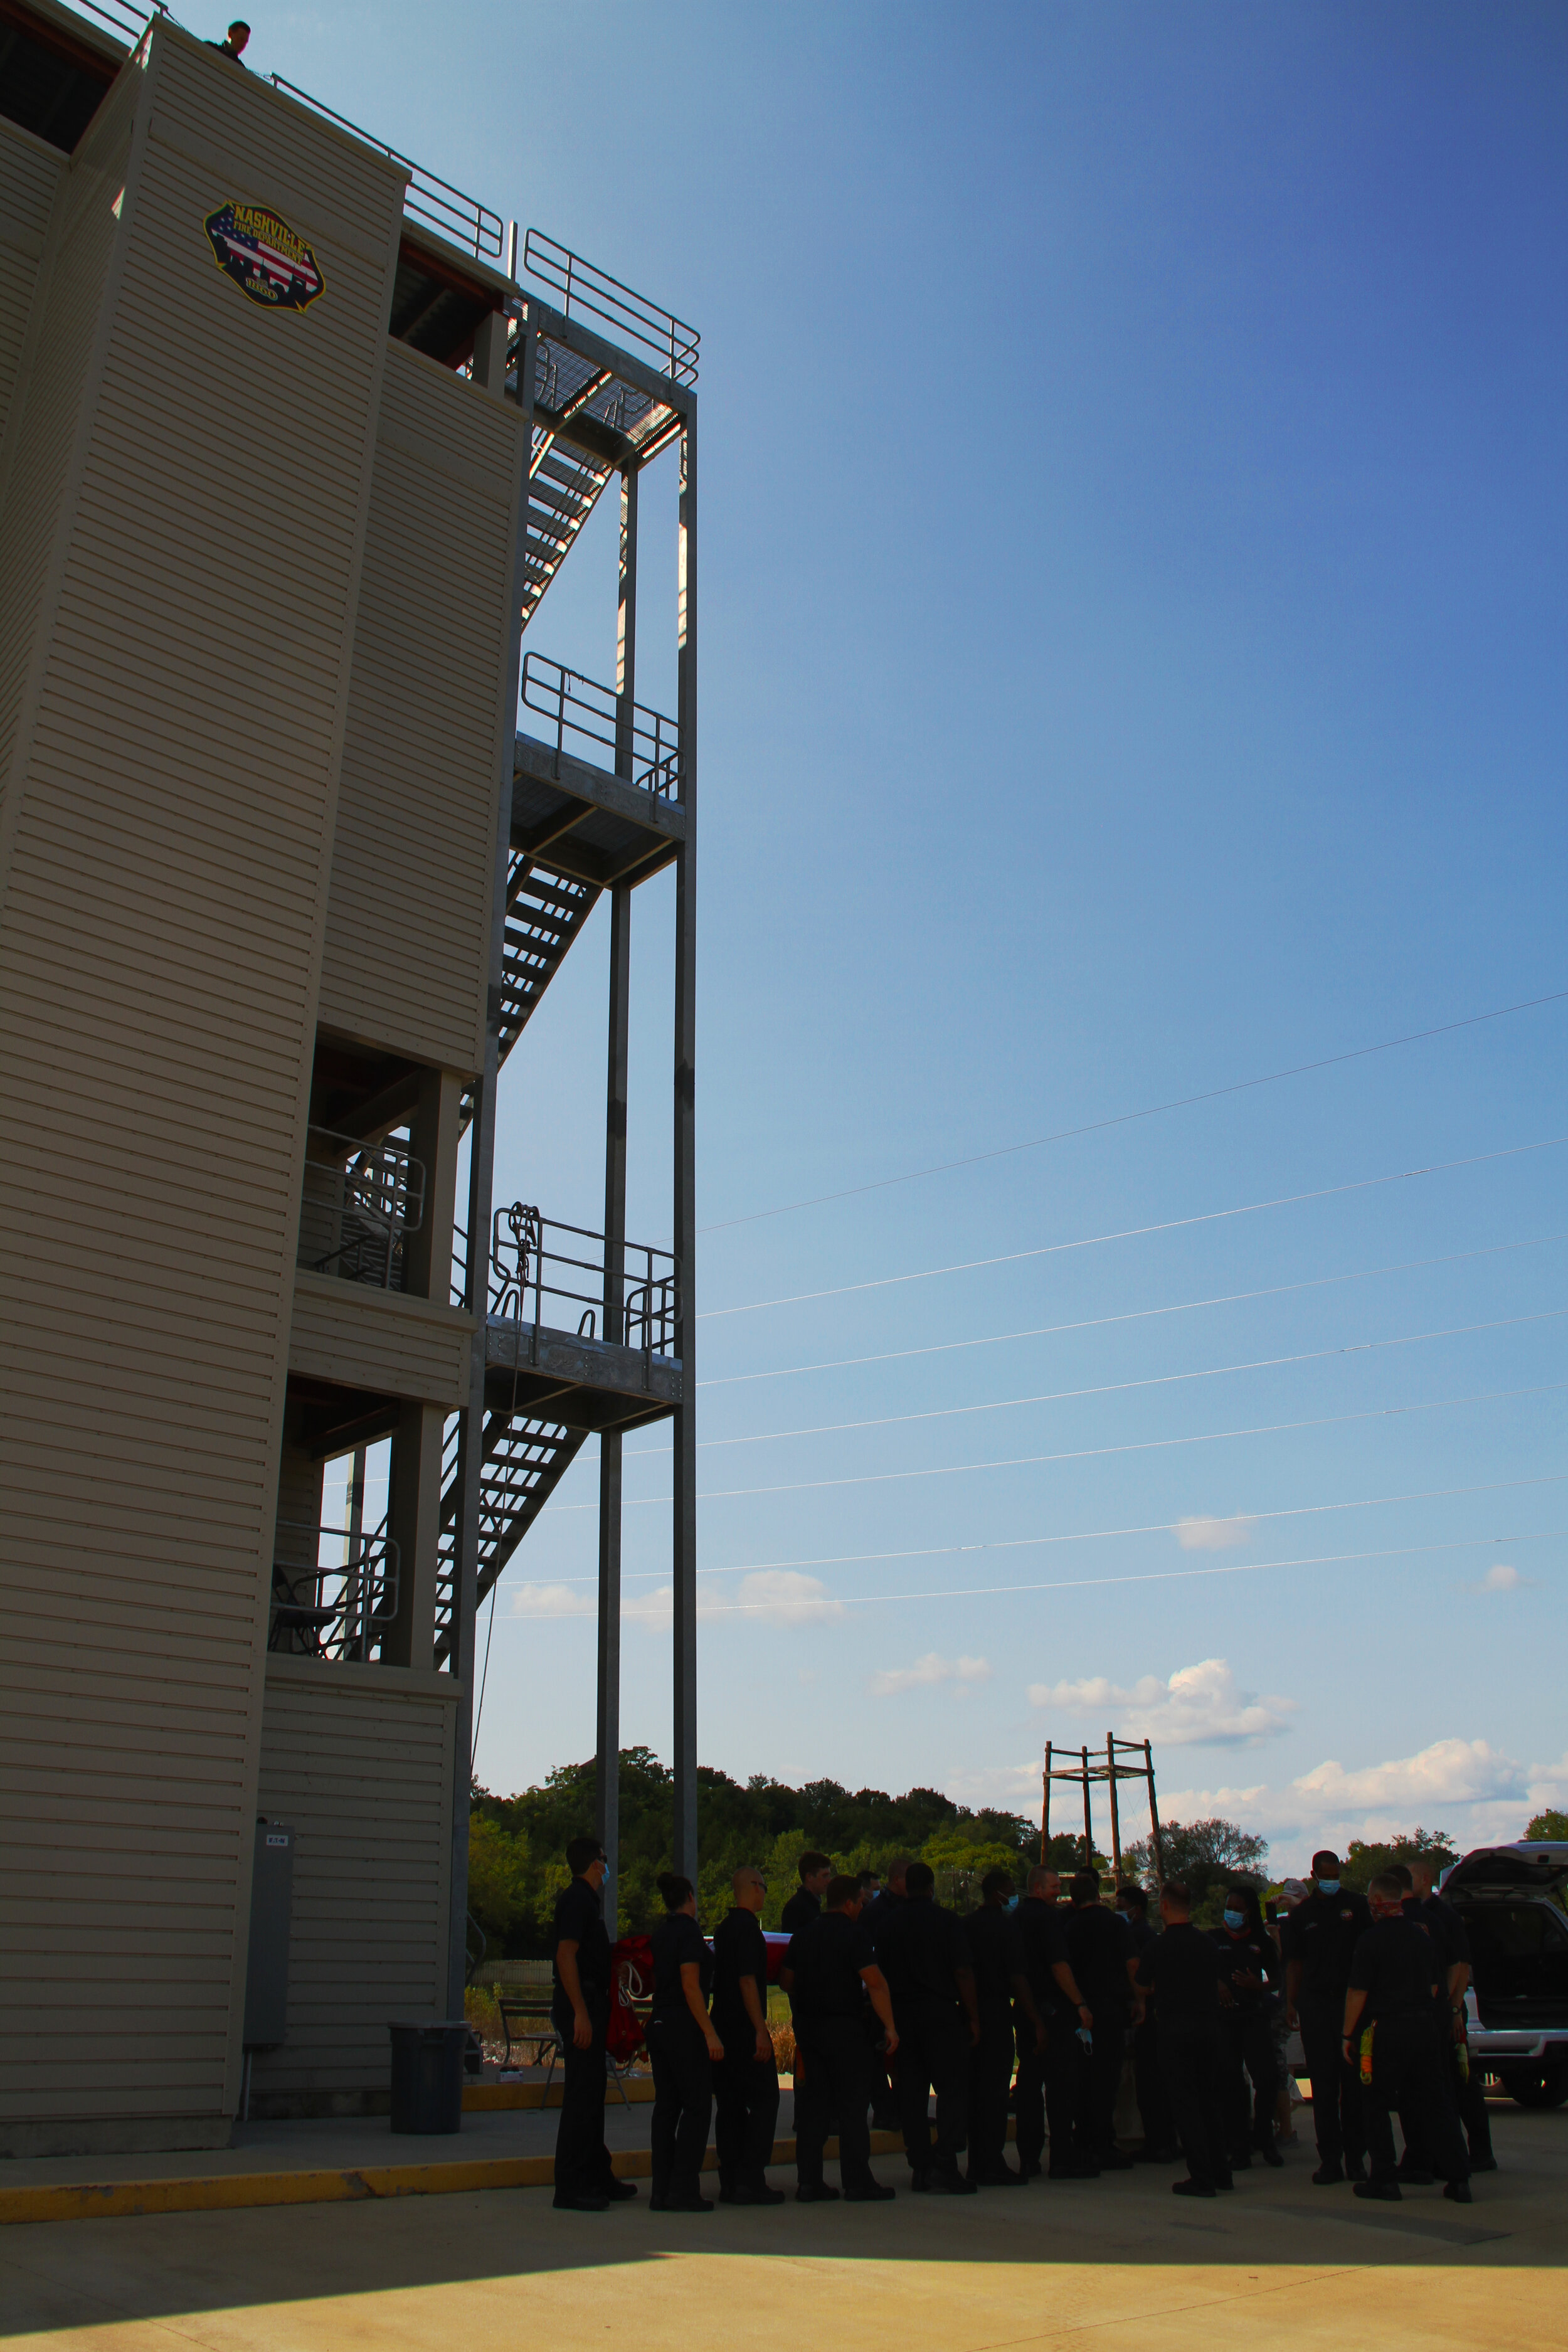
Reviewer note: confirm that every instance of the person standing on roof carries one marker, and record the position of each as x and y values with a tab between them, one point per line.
233	43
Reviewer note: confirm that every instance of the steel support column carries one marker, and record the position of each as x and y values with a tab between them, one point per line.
684	1532
607	1751
481	1175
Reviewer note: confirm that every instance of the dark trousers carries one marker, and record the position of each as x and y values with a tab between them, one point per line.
581	2160
1248	2045
746	2096
1099	2080
1470	2091
1192	2059
1049	2081
1154	2105
1407	2063
934	2055
1337	2117
990	2079
682	2102
837	2083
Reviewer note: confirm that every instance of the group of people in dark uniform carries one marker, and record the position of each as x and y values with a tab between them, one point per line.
894	1997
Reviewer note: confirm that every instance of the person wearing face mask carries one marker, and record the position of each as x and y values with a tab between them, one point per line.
1249	1969
1320	1938
1394	1988
1148	2081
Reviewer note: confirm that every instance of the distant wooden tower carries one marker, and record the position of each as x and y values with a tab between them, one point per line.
1088	1771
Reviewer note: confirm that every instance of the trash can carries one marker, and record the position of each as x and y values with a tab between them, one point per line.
428	2077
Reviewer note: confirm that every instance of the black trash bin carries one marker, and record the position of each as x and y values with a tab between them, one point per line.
428	2077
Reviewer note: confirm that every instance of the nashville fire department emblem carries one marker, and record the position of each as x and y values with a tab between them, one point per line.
265	259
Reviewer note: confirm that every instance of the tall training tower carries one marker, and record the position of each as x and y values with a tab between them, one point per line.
292	444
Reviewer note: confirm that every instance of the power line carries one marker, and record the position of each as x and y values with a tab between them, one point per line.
1094	1453
1093	1535
1132	1315
1121	1388
814	1602
1128	1118
1136	1233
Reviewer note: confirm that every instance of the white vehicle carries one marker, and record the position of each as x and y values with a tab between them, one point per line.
1518	2002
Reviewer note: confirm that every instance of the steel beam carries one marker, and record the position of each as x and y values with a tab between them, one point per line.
684	1532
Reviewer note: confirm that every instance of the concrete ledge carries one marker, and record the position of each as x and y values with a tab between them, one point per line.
126	2200
485	2099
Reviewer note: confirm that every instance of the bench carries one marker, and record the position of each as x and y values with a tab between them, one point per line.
528	2020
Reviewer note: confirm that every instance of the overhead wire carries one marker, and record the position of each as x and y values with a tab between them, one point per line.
1134	1232
1130	1314
1129	1118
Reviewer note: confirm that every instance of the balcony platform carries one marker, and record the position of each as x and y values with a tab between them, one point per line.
582	1384
587	823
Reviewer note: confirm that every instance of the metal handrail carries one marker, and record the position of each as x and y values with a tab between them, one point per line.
359	1203
521	1257
673	343
124	16
581	706
460	218
339	1610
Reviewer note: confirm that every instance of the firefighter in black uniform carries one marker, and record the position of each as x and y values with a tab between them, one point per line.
996	1955
1249	1971
1319	1936
924	1956
1465	2083
1047	2079
683	2047
746	2082
1153	2106
1391	2037
880	1905
829	1971
1181	1969
805	1903
1102	1961
579	2012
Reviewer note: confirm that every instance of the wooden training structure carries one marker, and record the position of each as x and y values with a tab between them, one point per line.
1084	1773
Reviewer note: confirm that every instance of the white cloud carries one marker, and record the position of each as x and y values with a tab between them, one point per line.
1502	1578
1199	1704
554	1600
1213	1534
1449	1772
1547	1785
783	1596
927	1671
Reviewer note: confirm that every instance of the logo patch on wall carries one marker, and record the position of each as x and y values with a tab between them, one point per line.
265	259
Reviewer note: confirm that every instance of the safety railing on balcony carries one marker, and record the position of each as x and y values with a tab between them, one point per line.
335	1591
128	19
582	708
544	1272
360	1202
462	220
583	289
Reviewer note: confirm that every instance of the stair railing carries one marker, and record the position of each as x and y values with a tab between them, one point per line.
583	288
534	1258
461	219
580	705
334	1610
359	1202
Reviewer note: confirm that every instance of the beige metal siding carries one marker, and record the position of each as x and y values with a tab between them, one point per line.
164	882
407	959
29	175
346	1331
359	1760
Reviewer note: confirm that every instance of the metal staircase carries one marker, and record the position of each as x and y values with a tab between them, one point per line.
525	1458
544	913
563	488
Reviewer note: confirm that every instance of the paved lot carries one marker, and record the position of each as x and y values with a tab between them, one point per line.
1070	2265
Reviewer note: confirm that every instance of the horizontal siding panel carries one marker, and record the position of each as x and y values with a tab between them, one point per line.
411	1347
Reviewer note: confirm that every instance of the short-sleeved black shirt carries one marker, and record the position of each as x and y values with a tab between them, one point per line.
738	1950
825	1958
878	1917
578	1920
1445	1926
1100	1948
1321	1933
995	1953
802	1907
1043	1932
1396	1965
922	1948
677	1939
1182	1969
1249	1954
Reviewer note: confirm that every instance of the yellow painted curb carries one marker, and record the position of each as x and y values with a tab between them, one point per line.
227	2192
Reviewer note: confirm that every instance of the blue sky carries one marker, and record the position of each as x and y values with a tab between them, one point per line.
1133	623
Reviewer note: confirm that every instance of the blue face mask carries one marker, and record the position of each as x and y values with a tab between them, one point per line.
1328	1885
1234	1920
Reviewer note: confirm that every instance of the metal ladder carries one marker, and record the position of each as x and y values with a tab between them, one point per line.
526	1457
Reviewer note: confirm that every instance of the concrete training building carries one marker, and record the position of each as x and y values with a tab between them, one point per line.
293	443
